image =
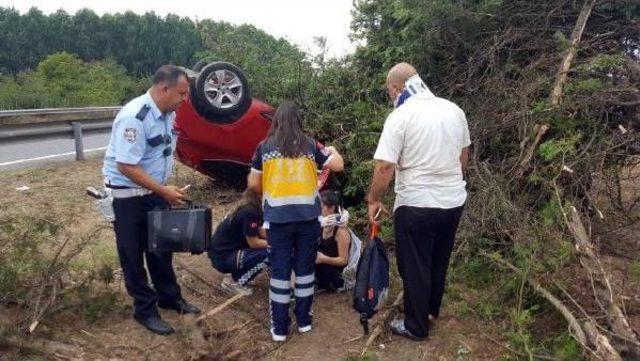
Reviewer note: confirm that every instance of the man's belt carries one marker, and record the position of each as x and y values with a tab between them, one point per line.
129	192
125	191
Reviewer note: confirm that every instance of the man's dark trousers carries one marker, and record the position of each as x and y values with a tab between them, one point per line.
131	240
424	241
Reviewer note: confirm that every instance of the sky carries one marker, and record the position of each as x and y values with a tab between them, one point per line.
298	21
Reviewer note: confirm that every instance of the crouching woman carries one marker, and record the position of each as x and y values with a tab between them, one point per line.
338	247
239	247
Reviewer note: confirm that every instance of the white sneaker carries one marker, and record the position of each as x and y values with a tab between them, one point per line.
277	338
304	329
229	285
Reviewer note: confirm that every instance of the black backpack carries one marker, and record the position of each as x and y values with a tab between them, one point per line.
372	279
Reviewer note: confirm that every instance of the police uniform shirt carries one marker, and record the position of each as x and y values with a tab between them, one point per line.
141	135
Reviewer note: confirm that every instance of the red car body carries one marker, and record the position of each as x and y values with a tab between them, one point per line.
217	149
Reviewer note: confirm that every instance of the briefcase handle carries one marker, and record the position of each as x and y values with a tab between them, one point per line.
188	204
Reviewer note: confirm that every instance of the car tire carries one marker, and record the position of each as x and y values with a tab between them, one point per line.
199	65
220	93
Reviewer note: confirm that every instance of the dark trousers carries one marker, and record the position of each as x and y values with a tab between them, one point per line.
292	245
424	241
329	277
244	264
131	240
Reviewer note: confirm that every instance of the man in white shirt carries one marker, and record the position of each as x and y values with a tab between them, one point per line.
425	141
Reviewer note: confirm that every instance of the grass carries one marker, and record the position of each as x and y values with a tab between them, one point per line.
634	270
368	356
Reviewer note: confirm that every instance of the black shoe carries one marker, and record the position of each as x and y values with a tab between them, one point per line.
397	327
155	325
182	307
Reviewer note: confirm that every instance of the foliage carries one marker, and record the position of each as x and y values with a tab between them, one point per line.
141	43
63	80
41	266
92	70
553	148
498	61
634	270
566	348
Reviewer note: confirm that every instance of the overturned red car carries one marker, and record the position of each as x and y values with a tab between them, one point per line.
220	124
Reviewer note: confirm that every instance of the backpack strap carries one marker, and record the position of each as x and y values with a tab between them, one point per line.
364	321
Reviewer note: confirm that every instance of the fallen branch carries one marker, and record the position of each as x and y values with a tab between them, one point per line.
586	334
44	346
381	322
217	334
353	339
249	310
560	80
576	35
540	130
591	263
574	325
232	355
604	350
220	307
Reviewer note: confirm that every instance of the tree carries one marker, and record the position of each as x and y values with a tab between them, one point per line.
139	42
87	36
64	80
11	60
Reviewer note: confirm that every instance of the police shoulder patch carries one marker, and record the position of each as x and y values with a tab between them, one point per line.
130	134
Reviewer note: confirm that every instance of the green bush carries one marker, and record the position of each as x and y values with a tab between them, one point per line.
587	86
39	258
566	347
634	270
553	148
63	80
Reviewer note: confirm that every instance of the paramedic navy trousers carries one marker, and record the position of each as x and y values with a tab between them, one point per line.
243	264
424	241
292	245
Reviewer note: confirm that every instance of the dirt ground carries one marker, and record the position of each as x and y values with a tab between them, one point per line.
238	332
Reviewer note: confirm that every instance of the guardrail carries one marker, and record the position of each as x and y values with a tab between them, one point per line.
32	123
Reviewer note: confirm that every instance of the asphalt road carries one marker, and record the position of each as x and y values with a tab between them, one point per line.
33	153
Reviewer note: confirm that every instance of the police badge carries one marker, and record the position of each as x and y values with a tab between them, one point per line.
130	134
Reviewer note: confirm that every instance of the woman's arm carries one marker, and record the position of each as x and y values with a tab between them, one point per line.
254	181
343	239
335	163
256	242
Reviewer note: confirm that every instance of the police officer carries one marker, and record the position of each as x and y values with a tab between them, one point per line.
137	165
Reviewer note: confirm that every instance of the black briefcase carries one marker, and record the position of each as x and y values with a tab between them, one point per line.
180	229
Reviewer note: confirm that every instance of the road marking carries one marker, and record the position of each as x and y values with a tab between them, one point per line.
19	161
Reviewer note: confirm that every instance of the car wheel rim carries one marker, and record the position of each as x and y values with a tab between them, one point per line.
223	89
